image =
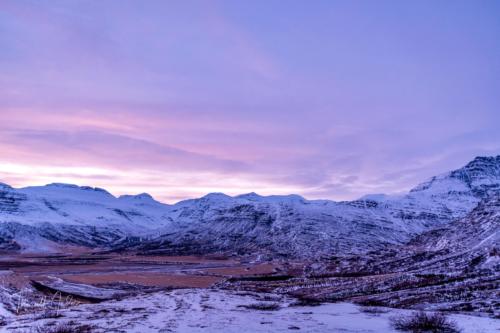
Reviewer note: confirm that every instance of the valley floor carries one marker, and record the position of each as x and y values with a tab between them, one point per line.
204	310
92	292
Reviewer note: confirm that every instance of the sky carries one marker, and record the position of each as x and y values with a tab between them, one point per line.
326	99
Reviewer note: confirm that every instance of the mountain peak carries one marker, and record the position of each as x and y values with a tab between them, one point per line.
67	190
73	186
144	196
486	159
481	176
62	185
138	197
5	186
249	196
483	165
216	196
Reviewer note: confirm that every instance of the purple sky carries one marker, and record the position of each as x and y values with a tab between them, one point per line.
327	99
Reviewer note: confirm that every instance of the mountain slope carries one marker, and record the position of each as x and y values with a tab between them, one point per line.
470	243
293	226
40	218
479	229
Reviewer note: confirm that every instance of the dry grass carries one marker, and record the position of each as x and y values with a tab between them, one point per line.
262	306
49	313
68	327
421	322
146	279
373	310
249	270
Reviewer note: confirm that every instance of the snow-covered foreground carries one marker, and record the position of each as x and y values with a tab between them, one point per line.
217	311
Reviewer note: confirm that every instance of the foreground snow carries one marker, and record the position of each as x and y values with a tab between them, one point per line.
216	311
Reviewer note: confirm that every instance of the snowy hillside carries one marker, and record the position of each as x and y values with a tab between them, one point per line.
40	218
470	243
291	225
479	229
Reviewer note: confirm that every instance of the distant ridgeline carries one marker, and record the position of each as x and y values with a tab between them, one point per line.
47	218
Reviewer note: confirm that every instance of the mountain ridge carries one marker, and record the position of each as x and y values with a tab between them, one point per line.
245	223
469	172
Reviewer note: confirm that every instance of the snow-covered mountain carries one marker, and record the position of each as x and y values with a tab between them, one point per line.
291	225
480	229
42	218
470	243
37	218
